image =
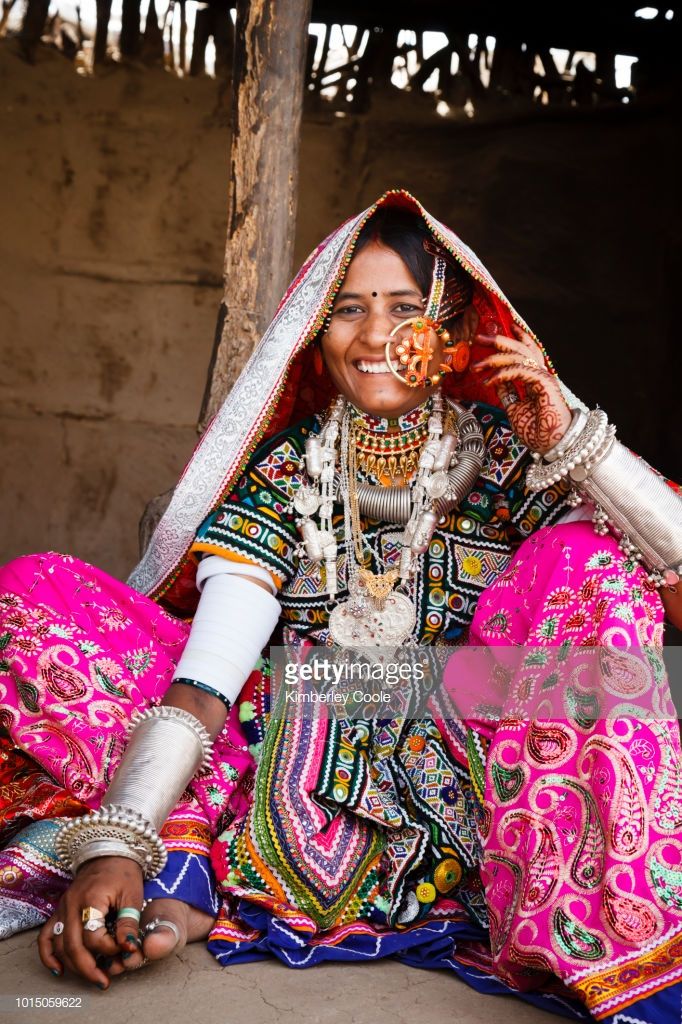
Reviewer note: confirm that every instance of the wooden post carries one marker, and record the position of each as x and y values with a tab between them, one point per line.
130	28
32	27
102	31
267	96
151	47
270	52
183	38
202	34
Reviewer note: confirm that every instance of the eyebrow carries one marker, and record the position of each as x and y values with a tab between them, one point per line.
358	295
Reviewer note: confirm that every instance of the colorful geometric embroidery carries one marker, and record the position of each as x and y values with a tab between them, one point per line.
282	468
479	566
504	451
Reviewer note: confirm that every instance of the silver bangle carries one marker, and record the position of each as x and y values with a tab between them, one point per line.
630	498
123	832
590	444
165	712
93	848
166	747
636	501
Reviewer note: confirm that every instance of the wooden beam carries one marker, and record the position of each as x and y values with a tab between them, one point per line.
267	98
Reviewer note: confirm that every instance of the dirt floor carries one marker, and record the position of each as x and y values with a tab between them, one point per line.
191	987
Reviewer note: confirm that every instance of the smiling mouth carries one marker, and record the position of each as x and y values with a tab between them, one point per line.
364	366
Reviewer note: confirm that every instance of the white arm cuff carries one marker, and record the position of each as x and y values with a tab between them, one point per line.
233	623
215	565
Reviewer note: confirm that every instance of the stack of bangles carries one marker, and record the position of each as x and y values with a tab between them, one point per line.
629	497
149	783
128	822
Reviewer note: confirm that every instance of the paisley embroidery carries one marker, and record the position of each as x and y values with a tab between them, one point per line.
666	799
500	924
666	877
632	919
550	744
588	865
62	680
507	781
542	873
583	708
575	940
626	818
29	696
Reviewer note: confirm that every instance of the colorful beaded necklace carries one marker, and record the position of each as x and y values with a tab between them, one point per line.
389	449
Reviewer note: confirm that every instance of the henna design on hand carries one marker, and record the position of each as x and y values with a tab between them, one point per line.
541	418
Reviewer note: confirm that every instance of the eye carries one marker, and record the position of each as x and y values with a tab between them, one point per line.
347	309
407	308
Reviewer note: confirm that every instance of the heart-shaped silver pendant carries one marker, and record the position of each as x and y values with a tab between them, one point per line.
389	626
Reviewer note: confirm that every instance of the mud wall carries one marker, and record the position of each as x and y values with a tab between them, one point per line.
113	213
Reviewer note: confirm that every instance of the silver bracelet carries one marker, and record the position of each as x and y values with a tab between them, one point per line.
630	498
105	848
640	506
166	747
117	830
590	445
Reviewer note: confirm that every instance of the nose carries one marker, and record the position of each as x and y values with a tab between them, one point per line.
377	328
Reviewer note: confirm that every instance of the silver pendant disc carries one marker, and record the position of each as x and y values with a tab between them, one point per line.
306	500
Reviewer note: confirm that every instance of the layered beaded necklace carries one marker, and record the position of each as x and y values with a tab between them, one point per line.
378	612
389	450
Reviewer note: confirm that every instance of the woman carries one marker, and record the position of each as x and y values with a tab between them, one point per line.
383	518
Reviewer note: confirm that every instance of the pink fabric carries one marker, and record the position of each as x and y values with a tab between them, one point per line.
90	651
582	823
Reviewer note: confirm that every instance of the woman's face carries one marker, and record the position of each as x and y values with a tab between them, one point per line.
378	293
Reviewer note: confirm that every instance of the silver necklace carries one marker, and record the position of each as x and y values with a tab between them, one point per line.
376	613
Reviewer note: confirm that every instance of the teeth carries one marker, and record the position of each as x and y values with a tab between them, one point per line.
381	367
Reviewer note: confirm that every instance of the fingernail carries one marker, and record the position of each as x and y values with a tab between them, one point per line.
133	938
126	956
100	984
56	973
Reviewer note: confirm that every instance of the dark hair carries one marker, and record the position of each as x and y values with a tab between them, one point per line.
405	233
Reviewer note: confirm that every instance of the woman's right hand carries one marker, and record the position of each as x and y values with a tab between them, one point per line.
108	884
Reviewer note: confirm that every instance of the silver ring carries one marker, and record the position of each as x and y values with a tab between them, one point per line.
94	925
158	922
58	928
509	398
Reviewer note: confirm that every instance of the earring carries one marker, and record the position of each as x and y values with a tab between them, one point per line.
318	363
460	356
458	353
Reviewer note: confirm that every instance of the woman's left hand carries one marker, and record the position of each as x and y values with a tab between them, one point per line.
542	417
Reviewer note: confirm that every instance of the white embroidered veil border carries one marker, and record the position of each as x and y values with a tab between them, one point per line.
220	453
